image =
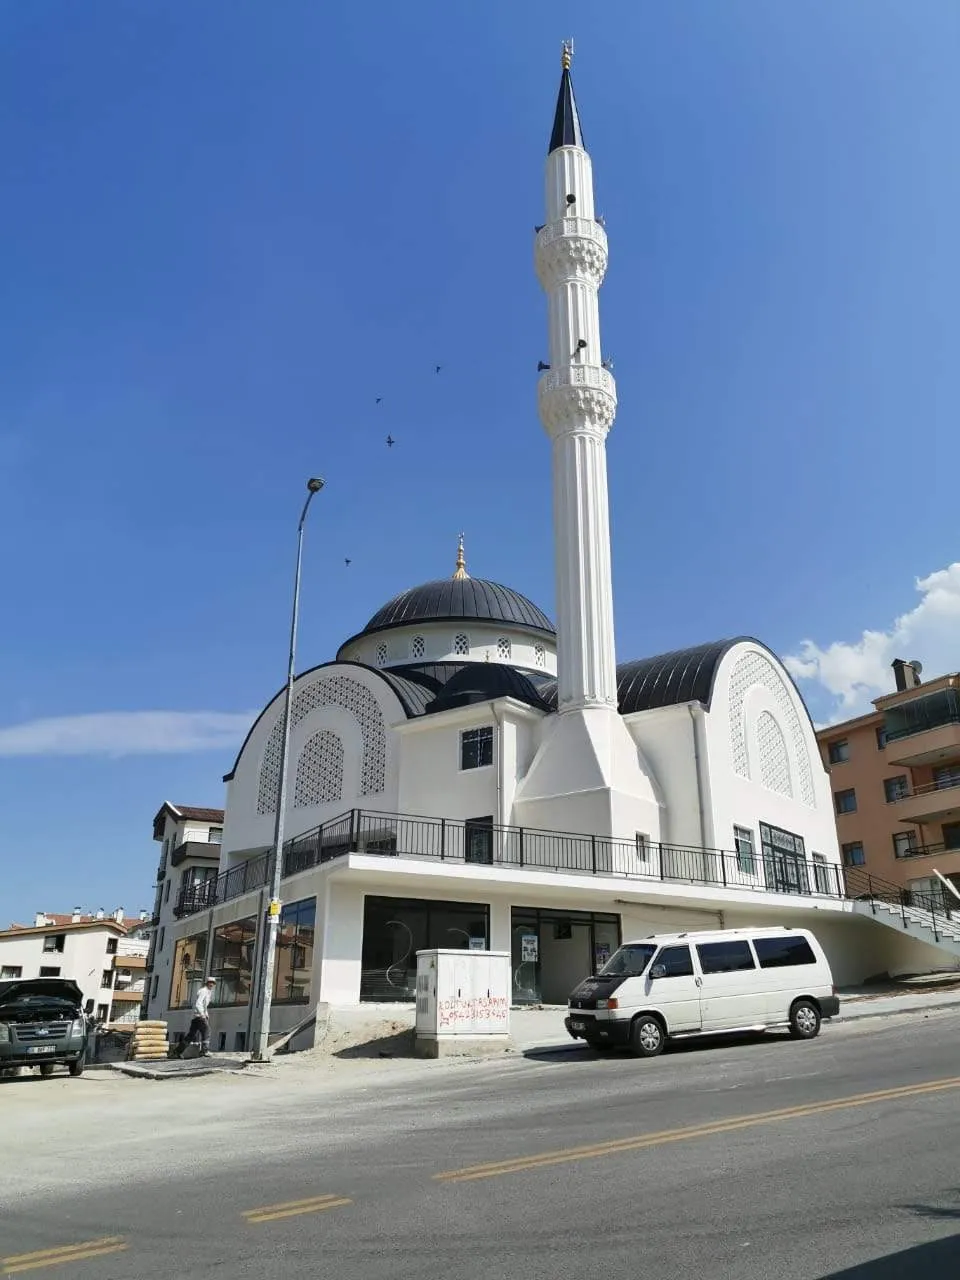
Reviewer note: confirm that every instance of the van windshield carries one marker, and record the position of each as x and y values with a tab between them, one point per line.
630	961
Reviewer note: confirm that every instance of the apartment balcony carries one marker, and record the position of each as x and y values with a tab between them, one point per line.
195	851
924	730
129	962
945	857
932	802
127	995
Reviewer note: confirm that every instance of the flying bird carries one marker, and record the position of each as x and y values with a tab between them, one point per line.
379	400
390	442
347	561
437	368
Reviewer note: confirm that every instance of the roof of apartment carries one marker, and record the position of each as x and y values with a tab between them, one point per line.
192	812
69	925
845	726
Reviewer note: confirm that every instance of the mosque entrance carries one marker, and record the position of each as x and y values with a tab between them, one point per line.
552	951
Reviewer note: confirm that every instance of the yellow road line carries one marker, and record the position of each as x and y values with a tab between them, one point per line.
498	1168
18	1262
291	1208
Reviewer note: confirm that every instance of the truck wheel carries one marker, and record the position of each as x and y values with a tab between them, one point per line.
804	1020
646	1036
76	1068
46	1070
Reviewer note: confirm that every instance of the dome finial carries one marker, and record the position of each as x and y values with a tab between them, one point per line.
566	57
461	569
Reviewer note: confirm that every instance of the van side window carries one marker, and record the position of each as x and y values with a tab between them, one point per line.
725	957
777	953
676	961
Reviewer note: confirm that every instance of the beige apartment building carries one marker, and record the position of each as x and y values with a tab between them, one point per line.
895	776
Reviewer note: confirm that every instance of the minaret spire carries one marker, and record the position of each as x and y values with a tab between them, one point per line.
461	569
587	774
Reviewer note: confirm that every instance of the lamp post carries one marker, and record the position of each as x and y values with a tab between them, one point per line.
268	954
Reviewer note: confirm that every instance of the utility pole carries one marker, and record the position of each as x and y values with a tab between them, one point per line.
270	927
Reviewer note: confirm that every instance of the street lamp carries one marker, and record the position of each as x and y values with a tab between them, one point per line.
265	1002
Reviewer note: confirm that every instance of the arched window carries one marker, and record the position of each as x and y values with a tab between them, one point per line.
381	655
461	644
540	655
504	649
417	647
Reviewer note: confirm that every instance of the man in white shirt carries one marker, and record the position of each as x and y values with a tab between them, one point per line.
200	1025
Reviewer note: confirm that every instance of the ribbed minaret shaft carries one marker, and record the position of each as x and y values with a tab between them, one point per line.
577	400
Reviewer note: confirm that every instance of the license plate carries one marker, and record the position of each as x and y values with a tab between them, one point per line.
42	1048
578	1026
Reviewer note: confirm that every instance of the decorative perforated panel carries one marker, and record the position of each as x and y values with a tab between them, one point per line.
461	644
756	669
336	691
417	647
540	654
503	649
319	771
774	761
381	655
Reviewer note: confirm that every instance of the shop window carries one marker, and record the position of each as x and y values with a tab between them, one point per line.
231	962
395	929
293	969
189	964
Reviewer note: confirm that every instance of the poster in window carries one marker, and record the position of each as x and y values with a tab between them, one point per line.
529	948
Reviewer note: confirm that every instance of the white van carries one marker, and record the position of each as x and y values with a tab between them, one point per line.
671	986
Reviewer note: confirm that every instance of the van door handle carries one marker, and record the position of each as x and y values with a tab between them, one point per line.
698	981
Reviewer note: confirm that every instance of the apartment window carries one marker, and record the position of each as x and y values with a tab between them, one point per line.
951	835
853	854
155	987
725	957
215	835
821	875
166	892
106	978
895	788
746	851
49	971
111	946
904	844
11	971
161	936
476	748
54	942
839	751
643	847
846	801
102	1011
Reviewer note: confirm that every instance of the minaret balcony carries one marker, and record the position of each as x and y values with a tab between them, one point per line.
579	395
571	248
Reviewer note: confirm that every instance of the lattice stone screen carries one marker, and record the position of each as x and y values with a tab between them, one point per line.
319	770
755	669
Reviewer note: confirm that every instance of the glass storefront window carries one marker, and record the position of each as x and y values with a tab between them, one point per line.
189	970
395	929
294	962
232	961
552	951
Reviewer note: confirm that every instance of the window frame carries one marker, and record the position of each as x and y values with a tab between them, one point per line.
892	795
846	791
901	850
483	736
834	748
674	946
730	944
846	856
744	857
787	939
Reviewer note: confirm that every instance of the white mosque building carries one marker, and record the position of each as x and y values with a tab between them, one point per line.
463	773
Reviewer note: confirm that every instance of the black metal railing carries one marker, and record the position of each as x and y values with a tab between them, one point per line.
925	850
939	904
479	843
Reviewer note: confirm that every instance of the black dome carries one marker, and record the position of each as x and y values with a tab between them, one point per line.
453	599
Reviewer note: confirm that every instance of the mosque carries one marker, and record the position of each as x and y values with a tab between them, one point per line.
465	773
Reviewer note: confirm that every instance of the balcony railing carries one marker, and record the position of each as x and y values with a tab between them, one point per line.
925	850
938	909
926	788
454	841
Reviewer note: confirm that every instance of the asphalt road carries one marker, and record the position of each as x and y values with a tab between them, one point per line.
572	1165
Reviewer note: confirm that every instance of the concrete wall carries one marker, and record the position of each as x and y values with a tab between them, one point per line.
666	738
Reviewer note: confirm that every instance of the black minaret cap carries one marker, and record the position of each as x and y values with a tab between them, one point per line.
566	121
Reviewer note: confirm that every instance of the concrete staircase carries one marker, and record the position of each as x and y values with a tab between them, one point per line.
928	918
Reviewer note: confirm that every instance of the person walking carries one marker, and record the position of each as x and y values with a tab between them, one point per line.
200	1024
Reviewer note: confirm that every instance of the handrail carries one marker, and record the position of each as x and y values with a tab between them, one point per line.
865	886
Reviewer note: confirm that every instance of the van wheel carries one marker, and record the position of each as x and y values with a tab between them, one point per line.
46	1070
804	1020
646	1036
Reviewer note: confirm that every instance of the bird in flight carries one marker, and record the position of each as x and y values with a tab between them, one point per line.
390	442
379	400
346	561
437	368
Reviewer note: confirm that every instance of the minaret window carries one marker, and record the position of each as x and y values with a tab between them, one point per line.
417	647
540	655
381	655
461	644
503	649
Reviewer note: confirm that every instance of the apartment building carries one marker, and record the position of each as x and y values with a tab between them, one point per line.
189	839
895	777
105	955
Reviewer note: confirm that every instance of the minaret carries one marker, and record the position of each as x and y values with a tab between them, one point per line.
588	774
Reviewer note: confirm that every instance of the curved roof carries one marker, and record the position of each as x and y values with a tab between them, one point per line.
453	599
682	675
484	681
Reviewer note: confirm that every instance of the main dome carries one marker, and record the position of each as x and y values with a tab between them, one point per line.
450	599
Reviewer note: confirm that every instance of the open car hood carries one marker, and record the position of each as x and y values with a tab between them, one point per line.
40	988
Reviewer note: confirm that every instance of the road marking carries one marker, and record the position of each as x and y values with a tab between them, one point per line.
18	1262
497	1168
291	1208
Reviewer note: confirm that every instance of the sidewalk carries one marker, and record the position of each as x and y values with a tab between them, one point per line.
542	1030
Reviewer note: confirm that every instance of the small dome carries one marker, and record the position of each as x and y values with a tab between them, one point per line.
453	599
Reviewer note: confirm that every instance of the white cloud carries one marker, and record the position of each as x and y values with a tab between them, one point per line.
126	733
853	673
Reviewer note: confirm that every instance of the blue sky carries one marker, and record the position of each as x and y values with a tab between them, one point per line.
229	227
